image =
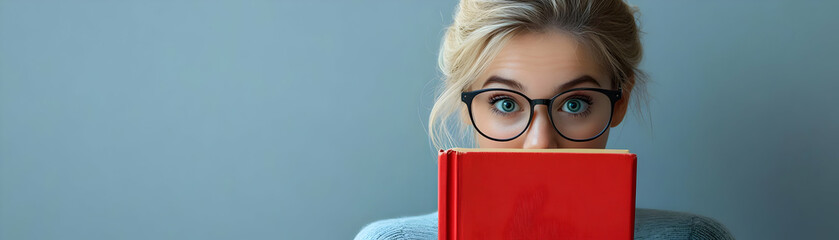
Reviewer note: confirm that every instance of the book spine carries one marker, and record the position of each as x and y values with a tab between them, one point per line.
634	160
447	195
454	198
442	196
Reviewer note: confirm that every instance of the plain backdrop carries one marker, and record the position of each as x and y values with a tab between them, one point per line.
196	119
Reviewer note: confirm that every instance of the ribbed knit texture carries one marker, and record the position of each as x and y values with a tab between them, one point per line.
649	224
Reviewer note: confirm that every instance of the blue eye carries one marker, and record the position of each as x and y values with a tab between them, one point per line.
506	105
574	106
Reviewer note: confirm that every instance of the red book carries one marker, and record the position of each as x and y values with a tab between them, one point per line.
536	194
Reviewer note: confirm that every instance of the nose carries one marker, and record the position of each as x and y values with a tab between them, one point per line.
541	133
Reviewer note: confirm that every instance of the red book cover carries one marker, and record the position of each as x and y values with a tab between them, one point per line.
536	194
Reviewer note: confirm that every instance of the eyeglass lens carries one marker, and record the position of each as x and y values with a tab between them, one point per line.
578	114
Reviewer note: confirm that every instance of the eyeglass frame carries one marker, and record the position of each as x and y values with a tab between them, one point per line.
613	95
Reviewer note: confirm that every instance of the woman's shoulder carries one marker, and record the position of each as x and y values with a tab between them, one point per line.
649	224
414	227
664	224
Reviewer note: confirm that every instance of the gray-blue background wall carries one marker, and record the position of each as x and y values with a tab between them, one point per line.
305	119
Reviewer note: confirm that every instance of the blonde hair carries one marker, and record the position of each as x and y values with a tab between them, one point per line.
481	27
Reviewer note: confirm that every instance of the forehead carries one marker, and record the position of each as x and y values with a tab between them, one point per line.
543	61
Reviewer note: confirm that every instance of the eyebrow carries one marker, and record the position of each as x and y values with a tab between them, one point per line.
517	86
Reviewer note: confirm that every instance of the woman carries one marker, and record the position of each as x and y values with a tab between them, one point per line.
541	74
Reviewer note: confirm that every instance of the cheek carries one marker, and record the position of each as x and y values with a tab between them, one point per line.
599	142
488	143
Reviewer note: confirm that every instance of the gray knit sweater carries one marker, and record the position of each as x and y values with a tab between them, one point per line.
649	224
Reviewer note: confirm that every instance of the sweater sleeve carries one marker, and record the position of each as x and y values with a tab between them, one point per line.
663	224
650	224
423	227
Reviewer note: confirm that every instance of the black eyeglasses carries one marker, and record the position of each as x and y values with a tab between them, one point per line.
579	114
